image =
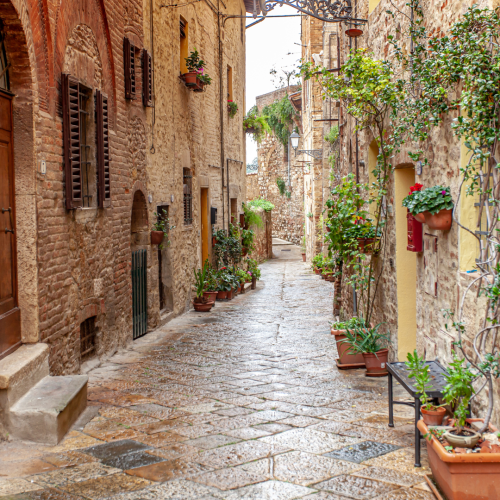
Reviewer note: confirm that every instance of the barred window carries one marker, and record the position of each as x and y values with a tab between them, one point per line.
88	333
188	196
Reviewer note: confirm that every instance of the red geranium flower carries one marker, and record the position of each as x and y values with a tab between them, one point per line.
416	187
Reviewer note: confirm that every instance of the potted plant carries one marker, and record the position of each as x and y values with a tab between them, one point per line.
223	284
410	200
256	125
247	236
434	203
254	269
317	263
196	78
365	233
232	108
201	303
347	359
160	229
211	284
373	345
303	248
419	371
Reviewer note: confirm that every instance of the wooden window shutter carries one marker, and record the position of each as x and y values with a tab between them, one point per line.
102	143
147	78
71	139
129	66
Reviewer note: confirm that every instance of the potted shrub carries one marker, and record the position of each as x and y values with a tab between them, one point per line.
196	78
232	108
317	263
374	347
254	269
435	204
463	475
160	229
201	303
211	284
347	359
223	284
419	371
256	125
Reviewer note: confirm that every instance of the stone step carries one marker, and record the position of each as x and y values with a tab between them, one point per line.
46	412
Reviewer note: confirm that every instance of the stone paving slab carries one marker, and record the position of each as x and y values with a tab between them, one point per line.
244	402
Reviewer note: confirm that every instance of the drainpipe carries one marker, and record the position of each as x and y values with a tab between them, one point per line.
221	113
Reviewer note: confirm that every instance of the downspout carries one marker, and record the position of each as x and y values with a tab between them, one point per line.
221	113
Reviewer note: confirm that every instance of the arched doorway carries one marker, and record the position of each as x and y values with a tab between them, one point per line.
139	241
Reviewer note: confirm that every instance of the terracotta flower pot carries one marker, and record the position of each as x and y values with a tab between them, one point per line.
463	476
214	241
157	237
420	217
345	357
366	245
441	220
303	257
244	251
203	306
210	296
192	81
433	417
376	363
242	288
230	294
221	295
254	283
317	270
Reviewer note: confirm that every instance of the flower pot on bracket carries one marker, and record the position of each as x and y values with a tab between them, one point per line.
157	237
250	130
441	221
366	245
346	359
420	217
376	363
463	476
192	82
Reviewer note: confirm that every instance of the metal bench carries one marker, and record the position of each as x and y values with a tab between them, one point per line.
399	371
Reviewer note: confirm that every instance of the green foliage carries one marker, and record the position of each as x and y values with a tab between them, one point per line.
233	108
281	185
227	247
351	323
266	205
431	199
317	261
247	236
200	278
368	340
280	116
253	268
257	124
211	283
419	371
458	390
196	64
332	135
163	224
252	218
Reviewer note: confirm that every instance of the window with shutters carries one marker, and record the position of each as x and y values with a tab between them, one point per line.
147	79
184	46
129	68
188	196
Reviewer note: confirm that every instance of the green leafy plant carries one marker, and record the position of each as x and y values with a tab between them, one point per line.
197	65
433	200
266	205
247	236
350	324
366	340
227	248
200	279
163	224
419	371
310	215
211	283
224	280
253	268
317	261
280	115
281	185
232	108
332	134
256	124
252	218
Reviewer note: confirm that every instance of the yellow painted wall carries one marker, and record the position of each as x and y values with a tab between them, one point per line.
372	5
406	268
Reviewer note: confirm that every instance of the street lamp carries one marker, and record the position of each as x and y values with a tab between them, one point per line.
294	139
315	153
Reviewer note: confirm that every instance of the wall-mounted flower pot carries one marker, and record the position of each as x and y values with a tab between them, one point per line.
433	417
203	306
303	257
250	130
366	245
346	358
192	82
210	296
463	476
254	283
376	363
221	295
353	32
441	220
157	237
420	217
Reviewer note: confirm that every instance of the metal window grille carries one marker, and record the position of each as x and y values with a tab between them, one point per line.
188	196
88	334
139	293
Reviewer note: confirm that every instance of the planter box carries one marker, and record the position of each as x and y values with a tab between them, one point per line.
192	82
157	237
464	476
345	357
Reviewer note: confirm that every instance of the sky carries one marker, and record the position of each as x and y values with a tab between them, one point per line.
273	43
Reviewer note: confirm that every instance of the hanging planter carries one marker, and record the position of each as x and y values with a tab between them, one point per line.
192	82
440	220
232	109
353	32
366	245
195	79
420	218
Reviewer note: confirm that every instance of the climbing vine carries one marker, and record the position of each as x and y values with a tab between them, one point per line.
280	116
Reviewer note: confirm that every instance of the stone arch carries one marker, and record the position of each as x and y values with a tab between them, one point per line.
139	226
20	53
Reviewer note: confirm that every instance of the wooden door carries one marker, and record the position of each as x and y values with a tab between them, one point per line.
204	225
10	315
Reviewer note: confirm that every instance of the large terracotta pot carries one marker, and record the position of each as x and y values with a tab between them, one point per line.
441	220
157	237
376	363
203	306
317	270
345	357
221	295
420	217
254	283
303	257
433	417
463	476
210	296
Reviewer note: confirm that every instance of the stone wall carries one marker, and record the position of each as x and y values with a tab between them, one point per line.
263	239
288	216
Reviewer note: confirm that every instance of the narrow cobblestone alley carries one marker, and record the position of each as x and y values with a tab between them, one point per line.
244	402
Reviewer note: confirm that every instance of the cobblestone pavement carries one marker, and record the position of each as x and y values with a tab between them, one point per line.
242	403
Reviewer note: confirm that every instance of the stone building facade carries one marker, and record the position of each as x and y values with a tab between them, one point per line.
98	133
414	288
276	163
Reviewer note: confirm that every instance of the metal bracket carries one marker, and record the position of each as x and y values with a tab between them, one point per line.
315	153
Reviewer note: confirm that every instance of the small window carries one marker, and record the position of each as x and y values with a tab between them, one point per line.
88	334
188	196
184	46
229	83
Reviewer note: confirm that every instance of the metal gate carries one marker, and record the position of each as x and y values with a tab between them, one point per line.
139	291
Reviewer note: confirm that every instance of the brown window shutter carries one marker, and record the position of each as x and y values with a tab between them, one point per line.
147	78
129	66
102	143
71	138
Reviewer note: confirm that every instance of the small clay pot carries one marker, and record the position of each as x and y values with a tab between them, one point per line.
303	257
441	220
376	363
210	296
157	237
317	270
203	306
254	283
467	441
433	417
345	356
420	217
222	295
366	245
230	294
